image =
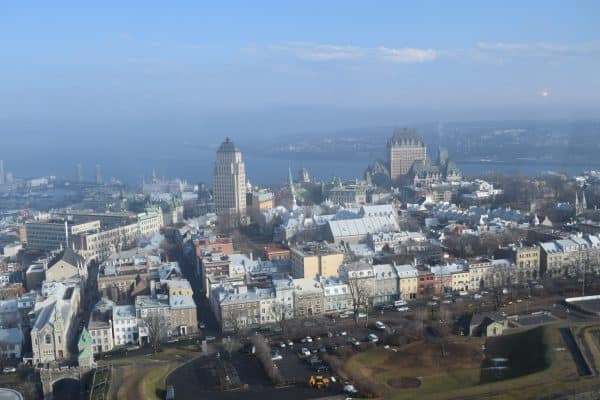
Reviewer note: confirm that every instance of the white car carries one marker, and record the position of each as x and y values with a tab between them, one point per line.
362	315
343	333
402	309
307	339
282	345
209	338
350	389
371	337
380	325
8	370
305	352
276	356
290	343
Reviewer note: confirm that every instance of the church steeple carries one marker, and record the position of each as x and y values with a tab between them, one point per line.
292	190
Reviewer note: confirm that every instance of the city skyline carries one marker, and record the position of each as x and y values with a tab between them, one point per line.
118	74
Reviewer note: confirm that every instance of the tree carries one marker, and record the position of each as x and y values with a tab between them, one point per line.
281	311
263	353
231	319
421	315
359	292
157	327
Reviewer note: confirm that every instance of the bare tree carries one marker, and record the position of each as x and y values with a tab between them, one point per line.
263	353
421	315
281	311
157	327
359	292
231	320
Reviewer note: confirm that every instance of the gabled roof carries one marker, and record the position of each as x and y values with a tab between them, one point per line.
69	256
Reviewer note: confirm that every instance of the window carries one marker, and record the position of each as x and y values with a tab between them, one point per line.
48	339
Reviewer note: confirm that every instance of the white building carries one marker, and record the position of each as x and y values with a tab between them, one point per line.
125	325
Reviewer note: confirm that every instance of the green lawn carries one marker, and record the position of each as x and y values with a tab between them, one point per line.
458	376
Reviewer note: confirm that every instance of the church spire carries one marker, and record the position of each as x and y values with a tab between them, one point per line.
292	190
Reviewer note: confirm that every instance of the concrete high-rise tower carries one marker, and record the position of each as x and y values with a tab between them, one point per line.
229	180
2	176
79	173
98	175
405	147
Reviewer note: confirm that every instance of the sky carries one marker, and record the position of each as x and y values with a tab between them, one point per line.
73	74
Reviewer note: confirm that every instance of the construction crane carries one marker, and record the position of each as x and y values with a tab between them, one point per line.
318	381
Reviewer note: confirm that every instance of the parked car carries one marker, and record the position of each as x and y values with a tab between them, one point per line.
353	342
8	370
477	296
362	315
321	369
371	337
276	356
350	389
379	325
402	309
201	325
305	352
290	343
307	339
282	345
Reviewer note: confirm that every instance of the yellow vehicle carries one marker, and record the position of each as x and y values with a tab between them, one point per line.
318	381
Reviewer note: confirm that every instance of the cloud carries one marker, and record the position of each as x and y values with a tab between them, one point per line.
329	52
539	48
320	52
407	55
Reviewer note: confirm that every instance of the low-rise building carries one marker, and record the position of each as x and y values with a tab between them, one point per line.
480	273
125	325
100	326
336	295
408	281
235	308
385	284
308	297
314	259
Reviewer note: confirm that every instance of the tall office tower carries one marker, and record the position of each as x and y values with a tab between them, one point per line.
229	180
2	177
98	175
79	173
405	147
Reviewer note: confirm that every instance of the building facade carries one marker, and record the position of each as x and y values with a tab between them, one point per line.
404	148
229	180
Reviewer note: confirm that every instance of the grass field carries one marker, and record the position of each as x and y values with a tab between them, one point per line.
544	370
143	377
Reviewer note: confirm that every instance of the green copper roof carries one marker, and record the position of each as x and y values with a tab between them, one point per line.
85	339
85	353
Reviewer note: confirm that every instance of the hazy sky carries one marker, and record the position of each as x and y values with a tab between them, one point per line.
87	74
